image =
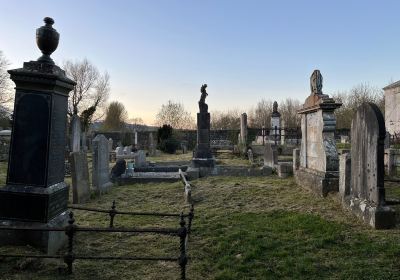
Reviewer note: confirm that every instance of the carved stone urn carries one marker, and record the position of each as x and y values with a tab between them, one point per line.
47	40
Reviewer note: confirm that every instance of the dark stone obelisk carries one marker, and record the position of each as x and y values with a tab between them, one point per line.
202	155
35	193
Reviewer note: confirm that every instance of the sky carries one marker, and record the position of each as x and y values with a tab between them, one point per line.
160	50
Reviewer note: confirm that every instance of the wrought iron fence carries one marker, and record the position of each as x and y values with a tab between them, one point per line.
71	229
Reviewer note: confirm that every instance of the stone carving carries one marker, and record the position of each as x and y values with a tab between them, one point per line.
203	107
316	82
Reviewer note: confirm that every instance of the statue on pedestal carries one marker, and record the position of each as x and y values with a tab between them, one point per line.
202	102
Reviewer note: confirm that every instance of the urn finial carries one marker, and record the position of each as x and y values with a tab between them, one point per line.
47	40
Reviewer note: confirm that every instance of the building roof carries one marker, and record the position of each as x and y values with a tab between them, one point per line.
393	85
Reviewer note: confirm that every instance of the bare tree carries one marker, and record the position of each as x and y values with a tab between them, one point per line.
5	85
229	119
91	91
116	116
175	115
260	115
288	109
352	99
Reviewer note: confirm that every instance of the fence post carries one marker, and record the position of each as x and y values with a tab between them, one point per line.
182	233
191	216
112	214
70	230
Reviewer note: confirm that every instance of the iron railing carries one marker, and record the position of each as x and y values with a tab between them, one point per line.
71	229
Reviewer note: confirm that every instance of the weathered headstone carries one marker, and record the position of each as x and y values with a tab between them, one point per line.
203	157
319	162
243	129
80	177
367	192
100	172
76	133
270	155
140	159
35	193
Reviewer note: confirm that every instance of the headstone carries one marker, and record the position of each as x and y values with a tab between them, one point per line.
119	151
84	141
80	177
35	193
270	155
118	169
296	159
319	161
284	169
140	159
367	192
100	175
344	174
250	156
203	157
152	145
76	133
390	162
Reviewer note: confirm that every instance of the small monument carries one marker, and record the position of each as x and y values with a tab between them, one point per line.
319	162
35	193
363	191
202	154
275	123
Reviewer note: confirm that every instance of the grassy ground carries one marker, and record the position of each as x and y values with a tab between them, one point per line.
244	228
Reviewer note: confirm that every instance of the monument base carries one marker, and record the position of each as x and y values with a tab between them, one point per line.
378	217
47	241
205	165
319	182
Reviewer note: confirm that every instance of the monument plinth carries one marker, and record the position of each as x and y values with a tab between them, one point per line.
319	162
202	156
35	192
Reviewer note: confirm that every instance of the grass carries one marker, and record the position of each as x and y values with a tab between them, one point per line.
244	228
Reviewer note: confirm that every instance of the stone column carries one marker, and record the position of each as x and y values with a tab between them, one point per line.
35	193
319	162
243	129
76	133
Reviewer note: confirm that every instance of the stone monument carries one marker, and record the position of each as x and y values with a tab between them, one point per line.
275	122
202	154
80	177
319	162
76	133
100	160
365	195
35	193
243	129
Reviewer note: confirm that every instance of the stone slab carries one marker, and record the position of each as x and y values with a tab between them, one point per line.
318	182
80	177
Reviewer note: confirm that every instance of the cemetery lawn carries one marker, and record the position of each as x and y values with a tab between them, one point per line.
244	228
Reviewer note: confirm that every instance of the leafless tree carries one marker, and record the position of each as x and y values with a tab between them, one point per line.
91	92
260	115
5	84
352	99
116	116
229	119
175	115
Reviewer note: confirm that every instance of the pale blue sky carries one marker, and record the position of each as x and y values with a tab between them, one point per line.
244	50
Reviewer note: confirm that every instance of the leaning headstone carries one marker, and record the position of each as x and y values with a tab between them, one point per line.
35	193
80	177
367	193
101	179
270	155
76	133
140	159
319	161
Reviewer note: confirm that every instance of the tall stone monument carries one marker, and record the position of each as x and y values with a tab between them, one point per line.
202	154
319	162
366	194
275	121
243	129
76	133
35	193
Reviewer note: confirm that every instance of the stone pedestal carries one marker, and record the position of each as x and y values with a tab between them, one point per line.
35	193
319	162
202	154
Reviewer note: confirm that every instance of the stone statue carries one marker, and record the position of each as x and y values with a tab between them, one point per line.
316	82
275	107
202	102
